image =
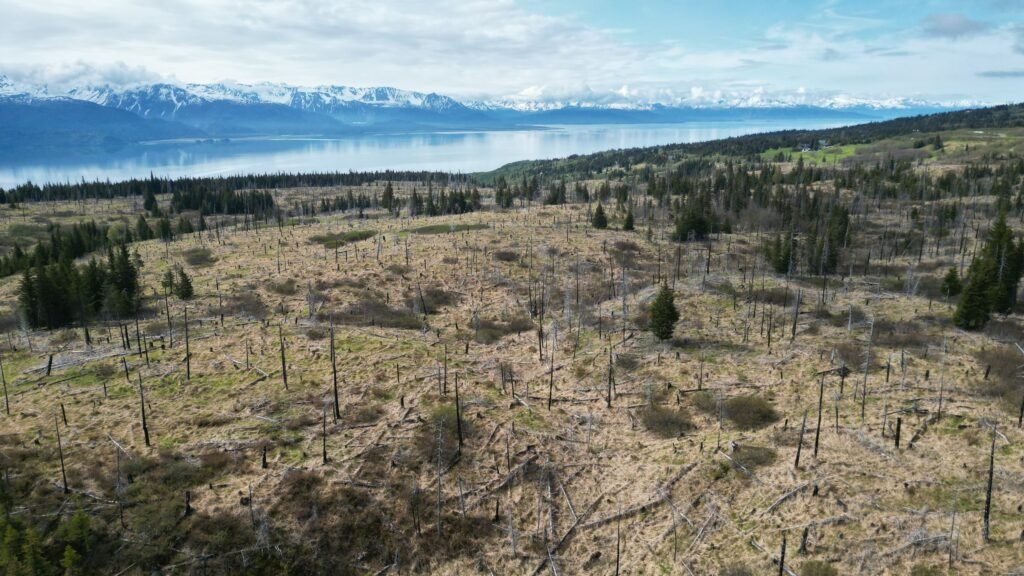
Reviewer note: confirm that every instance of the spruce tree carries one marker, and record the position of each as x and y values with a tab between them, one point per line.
600	220
142	229
972	312
992	278
663	314
149	201
951	285
183	286
628	223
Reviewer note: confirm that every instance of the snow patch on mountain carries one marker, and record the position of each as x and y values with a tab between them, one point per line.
165	100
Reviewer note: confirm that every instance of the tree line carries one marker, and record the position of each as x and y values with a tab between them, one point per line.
214	186
60	294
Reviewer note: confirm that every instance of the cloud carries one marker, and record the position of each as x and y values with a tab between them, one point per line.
1018	31
953	26
60	77
831	55
496	48
1002	74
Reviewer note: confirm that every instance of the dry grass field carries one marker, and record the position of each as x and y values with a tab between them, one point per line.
502	408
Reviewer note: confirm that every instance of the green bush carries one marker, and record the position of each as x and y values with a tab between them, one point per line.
817	568
434	297
505	255
197	256
665	422
706	402
371	312
286	287
925	570
341	238
751	457
490	331
446	228
750	411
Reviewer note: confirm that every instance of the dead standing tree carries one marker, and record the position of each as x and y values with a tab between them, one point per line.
988	490
142	404
284	365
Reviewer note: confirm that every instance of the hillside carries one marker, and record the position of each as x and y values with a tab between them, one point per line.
907	130
427	373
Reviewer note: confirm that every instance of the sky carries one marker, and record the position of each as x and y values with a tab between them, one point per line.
654	50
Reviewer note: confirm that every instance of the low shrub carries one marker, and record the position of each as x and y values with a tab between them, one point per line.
751	457
287	287
1003	379
434	297
505	255
490	331
198	256
817	568
371	312
665	422
446	228
750	411
336	239
243	303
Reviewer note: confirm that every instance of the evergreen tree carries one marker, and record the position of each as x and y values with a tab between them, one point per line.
149	202
387	200
184	226
627	224
972	312
599	220
71	561
27	299
691	226
142	230
33	559
183	286
167	281
780	253
992	278
122	283
163	230
951	285
663	314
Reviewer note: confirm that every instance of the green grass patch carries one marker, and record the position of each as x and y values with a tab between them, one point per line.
333	240
446	228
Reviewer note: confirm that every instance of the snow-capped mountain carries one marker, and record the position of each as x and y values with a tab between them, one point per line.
393	106
10	89
105	117
166	100
154	101
534	102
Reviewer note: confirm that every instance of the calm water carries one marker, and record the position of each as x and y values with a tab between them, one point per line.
461	151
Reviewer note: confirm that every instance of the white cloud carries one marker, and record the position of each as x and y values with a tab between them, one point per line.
953	26
478	48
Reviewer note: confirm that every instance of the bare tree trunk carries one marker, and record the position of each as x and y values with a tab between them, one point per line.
3	378
60	452
988	489
821	398
142	403
284	366
188	353
334	373
800	445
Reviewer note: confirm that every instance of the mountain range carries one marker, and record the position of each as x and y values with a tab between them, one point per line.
100	119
